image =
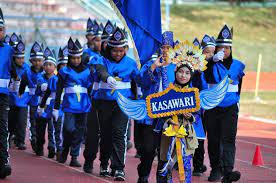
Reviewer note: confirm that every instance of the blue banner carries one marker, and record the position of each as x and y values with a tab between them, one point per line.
143	18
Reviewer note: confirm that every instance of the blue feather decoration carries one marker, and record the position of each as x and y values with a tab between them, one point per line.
210	98
135	109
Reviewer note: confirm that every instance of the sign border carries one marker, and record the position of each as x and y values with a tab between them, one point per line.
172	87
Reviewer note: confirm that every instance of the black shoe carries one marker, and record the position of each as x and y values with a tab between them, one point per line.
119	175
104	171
63	156
198	171
129	145
88	166
231	177
112	173
39	151
33	144
142	180
21	146
51	153
215	175
5	170
58	155
74	162
203	168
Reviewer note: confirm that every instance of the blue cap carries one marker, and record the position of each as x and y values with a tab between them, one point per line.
167	38
49	56
19	49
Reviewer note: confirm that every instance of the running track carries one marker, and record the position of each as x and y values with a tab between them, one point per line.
28	168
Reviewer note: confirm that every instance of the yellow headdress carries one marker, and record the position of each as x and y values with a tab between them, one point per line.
186	53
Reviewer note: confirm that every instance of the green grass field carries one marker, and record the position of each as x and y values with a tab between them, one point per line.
265	110
254	29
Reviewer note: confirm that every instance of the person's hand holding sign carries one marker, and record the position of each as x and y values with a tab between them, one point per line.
171	122
187	115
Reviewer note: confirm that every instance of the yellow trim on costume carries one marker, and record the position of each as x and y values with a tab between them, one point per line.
172	87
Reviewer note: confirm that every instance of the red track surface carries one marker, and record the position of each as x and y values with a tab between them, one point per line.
267	81
27	168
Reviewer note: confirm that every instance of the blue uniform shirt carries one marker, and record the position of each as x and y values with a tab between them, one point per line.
126	70
6	53
24	98
95	58
76	98
31	78
235	73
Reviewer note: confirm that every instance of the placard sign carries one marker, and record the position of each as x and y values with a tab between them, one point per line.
173	101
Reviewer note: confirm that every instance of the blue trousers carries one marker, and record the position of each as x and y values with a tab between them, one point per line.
41	124
73	131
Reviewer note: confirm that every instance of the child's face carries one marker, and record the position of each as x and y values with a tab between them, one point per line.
118	53
183	75
97	44
227	51
37	63
19	60
209	52
49	68
2	32
89	38
75	60
165	50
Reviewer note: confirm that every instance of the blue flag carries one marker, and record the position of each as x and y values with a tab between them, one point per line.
143	19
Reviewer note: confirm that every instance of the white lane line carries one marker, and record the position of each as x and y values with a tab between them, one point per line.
72	168
249	163
258	119
254	143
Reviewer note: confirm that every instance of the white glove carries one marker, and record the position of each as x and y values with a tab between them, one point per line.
111	82
44	87
40	111
55	114
219	56
11	85
16	85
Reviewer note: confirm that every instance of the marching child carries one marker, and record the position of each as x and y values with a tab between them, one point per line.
113	122
156	76
222	121
18	106
74	79
43	119
93	131
51	94
30	79
207	45
6	53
